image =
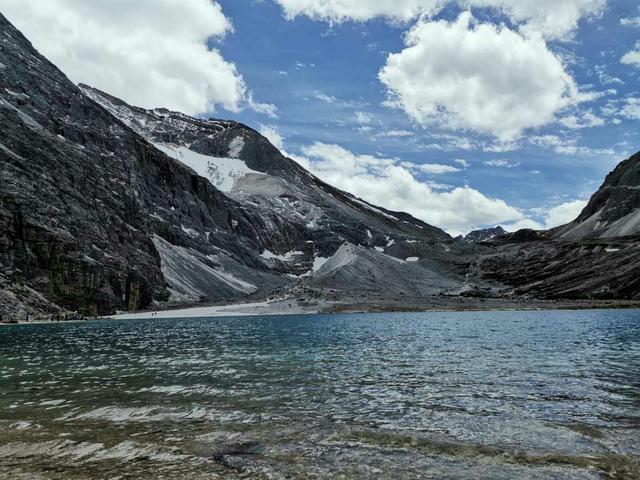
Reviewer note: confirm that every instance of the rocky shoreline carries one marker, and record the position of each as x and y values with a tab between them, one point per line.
361	305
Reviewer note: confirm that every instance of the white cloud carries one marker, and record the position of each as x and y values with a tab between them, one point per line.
324	97
267	109
630	22
395	133
392	184
550	217
501	163
152	53
564	213
462	162
430	168
554	18
358	10
583	120
479	77
568	146
363	118
631	109
272	134
632	57
605	77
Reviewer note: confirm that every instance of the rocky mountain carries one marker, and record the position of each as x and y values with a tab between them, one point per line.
87	205
597	256
106	207
614	211
243	164
484	235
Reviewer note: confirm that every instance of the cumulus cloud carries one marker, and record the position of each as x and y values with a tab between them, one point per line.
550	217
273	135
632	57
492	80
363	118
564	213
152	53
553	18
358	10
392	184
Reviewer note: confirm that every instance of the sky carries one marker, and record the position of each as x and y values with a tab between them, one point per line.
464	113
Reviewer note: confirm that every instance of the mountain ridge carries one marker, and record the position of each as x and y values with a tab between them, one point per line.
105	206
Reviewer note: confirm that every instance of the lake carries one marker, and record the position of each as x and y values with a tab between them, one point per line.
495	395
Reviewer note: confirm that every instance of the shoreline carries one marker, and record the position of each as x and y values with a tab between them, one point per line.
285	307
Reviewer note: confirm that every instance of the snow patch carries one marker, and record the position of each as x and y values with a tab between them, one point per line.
221	172
286	257
235	147
412	259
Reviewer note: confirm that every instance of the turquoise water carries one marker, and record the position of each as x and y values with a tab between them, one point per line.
541	395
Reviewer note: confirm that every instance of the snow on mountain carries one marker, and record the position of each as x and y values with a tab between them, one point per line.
222	172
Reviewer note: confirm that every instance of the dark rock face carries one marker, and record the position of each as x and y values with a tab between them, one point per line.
82	196
285	186
94	218
614	211
587	269
105	206
324	217
597	256
485	235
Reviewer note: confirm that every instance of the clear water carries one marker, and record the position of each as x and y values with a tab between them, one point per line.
541	395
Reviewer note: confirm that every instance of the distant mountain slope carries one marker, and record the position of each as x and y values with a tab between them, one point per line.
105	206
84	201
561	269
614	210
478	236
244	164
96	215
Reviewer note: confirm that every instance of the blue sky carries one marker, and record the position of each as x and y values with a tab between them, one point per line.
319	70
343	61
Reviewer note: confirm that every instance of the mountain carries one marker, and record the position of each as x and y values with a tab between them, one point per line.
484	235
597	256
250	170
614	211
106	207
87	205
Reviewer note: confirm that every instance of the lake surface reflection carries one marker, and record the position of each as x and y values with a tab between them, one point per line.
544	395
